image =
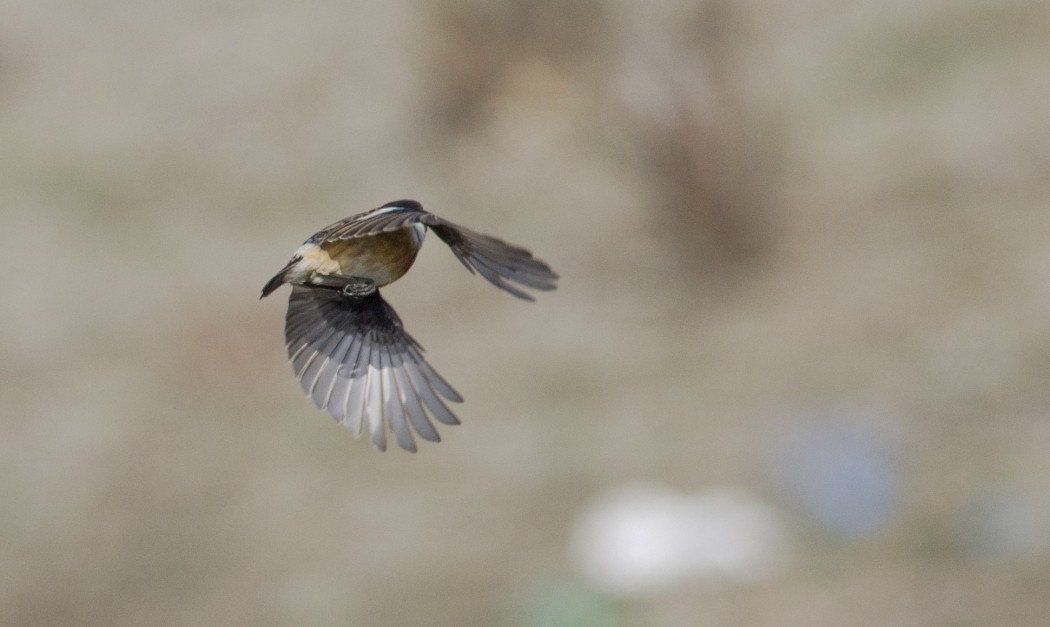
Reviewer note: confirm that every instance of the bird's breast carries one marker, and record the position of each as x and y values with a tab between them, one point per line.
383	258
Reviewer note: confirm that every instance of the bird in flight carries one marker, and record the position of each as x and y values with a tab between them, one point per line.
348	348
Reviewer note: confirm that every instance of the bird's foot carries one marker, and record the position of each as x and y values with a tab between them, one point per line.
359	287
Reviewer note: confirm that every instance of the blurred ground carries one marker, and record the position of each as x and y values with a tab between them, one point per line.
804	255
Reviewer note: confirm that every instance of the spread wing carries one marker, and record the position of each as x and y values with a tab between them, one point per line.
390	217
501	263
504	265
352	356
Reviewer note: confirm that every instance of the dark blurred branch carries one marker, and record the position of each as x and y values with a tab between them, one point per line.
712	158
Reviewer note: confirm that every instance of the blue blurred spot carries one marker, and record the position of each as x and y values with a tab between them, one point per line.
842	470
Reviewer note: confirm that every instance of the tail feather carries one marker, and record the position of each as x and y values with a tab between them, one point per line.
278	279
353	358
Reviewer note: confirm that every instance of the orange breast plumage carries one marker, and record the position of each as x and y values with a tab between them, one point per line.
383	258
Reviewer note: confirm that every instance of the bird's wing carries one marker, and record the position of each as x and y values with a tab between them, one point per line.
352	356
390	217
504	265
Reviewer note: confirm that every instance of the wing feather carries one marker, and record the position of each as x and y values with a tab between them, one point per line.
373	414
355	406
339	397
494	259
410	401
393	406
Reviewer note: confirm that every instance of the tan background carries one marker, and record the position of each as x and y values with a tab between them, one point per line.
758	210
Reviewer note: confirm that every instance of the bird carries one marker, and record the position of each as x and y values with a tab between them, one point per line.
348	347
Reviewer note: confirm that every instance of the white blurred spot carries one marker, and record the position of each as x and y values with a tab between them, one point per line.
639	538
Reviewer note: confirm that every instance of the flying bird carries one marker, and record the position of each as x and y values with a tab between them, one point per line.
348	348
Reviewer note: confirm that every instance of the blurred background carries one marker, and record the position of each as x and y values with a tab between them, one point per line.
795	372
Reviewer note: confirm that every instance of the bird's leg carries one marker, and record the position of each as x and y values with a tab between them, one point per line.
352	286
358	287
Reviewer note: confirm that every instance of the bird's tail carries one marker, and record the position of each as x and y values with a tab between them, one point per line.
354	359
278	279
